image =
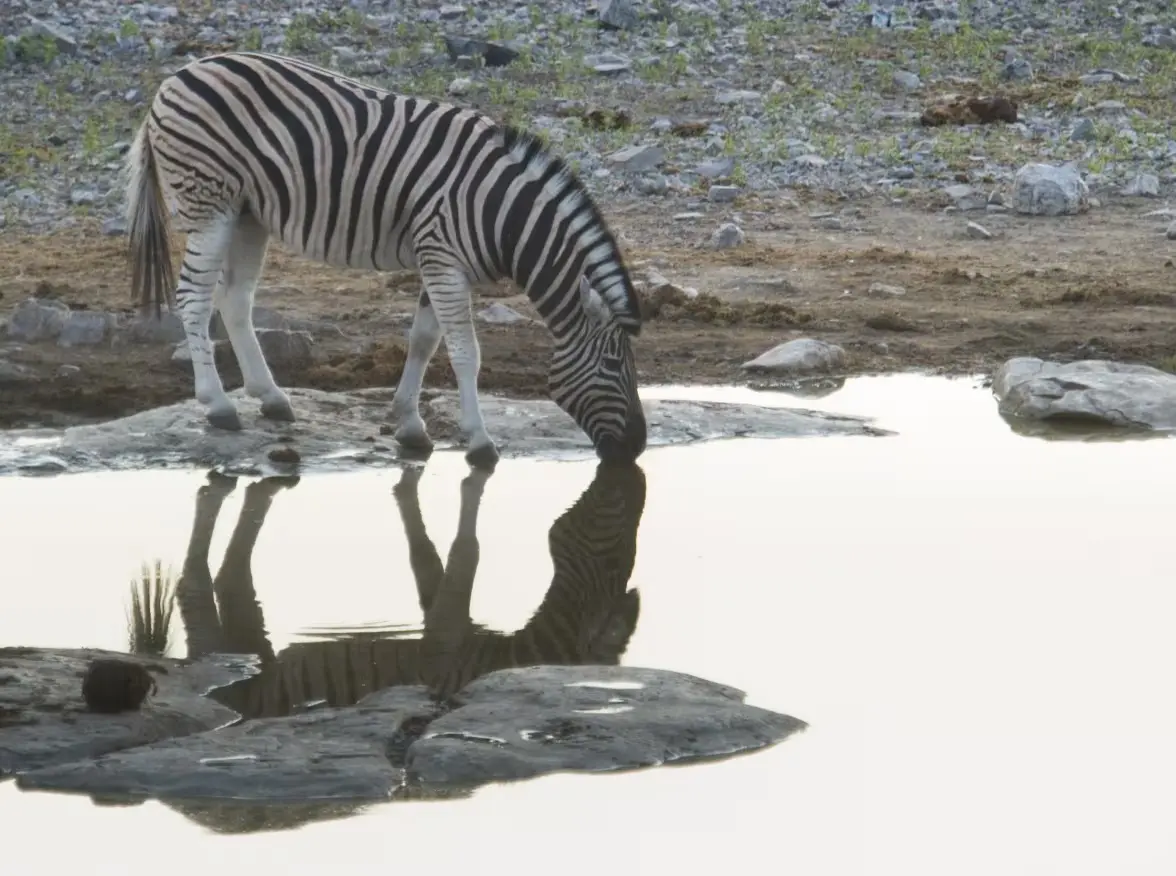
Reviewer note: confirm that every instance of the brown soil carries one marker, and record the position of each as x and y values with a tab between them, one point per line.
1098	285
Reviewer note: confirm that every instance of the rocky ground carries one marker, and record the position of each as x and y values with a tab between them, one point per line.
800	165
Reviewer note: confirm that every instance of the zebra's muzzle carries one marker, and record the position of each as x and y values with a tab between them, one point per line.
627	448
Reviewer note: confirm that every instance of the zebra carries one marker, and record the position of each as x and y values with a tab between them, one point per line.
239	147
586	617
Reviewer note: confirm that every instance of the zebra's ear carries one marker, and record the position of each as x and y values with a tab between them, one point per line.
594	305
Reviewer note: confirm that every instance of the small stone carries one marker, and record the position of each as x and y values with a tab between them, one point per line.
62	40
37	320
716	168
459	87
284	455
722	194
885	290
741	96
1019	70
617	14
111	686
907	81
637	159
727	235
499	314
1143	185
964	197
978	231
1171	232
653	184
1083	130
84	328
799	356
608	63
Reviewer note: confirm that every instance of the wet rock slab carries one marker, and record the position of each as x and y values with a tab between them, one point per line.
342	430
521	723
511	724
1090	392
44	721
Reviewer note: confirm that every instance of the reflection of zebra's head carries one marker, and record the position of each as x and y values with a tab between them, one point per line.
588	612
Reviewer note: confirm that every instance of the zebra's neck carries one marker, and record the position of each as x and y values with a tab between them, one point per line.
550	234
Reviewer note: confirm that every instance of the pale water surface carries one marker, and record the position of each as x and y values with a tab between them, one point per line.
977	626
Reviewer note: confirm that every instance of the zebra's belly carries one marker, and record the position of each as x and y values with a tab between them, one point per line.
364	258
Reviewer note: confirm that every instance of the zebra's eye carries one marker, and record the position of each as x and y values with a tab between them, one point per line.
610	363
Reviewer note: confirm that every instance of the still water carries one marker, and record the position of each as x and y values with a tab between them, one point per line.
975	624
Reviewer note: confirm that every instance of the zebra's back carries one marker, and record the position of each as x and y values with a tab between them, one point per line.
340	171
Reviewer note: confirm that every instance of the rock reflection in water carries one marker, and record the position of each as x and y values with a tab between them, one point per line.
587	616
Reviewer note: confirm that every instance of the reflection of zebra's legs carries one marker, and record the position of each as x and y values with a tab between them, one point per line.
194	595
449	630
422	555
241	615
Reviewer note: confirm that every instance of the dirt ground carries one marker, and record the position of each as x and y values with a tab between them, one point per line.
1100	285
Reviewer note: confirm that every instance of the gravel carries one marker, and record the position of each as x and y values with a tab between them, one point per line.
670	100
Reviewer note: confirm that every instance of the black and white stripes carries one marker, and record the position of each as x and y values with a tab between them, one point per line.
243	146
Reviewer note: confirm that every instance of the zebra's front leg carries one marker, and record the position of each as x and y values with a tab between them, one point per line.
242	270
203	258
423	339
449	291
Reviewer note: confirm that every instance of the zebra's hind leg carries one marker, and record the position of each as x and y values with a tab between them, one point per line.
423	339
449	291
242	270
199	273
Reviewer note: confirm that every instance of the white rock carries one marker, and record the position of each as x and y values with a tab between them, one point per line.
499	314
1049	190
1092	390
885	290
799	356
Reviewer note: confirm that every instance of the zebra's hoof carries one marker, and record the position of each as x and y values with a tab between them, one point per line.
228	421
484	457
280	410
415	443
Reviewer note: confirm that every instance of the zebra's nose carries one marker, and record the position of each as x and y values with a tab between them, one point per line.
628	446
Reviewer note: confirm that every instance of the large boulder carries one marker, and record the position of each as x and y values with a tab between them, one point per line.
1091	391
510	724
1050	190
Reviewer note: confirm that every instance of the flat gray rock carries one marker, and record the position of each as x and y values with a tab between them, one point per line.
341	430
44	721
1089	392
328	754
521	723
510	724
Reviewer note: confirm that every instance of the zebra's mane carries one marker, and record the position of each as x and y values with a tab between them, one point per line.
530	150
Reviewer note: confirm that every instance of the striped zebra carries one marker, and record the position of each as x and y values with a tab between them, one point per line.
242	146
586	617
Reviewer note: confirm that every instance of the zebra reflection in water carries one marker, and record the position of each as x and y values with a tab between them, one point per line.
586	617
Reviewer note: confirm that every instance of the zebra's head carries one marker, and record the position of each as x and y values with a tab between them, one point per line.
594	379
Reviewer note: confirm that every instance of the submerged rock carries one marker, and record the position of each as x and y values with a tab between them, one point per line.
510	724
44	719
342	430
1090	391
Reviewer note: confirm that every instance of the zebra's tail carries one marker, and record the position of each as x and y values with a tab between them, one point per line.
152	274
